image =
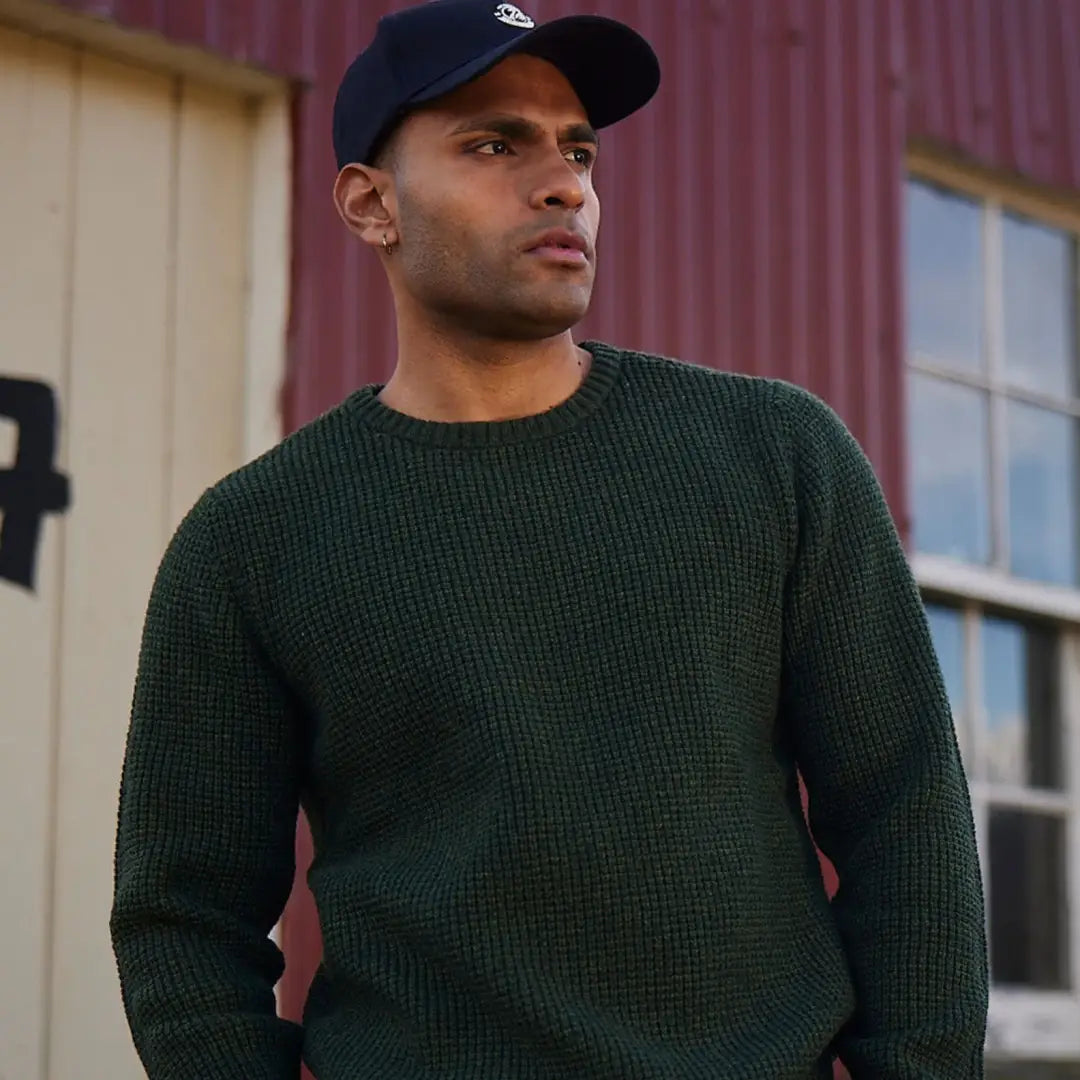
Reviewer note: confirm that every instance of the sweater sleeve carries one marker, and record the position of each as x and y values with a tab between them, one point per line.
204	853
874	740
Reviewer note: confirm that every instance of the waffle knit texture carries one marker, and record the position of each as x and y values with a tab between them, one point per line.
542	687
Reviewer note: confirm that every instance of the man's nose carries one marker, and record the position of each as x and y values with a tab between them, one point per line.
558	184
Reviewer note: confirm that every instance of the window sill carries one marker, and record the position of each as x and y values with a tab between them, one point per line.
935	573
1033	1024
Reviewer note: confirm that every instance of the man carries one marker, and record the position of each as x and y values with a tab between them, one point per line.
539	634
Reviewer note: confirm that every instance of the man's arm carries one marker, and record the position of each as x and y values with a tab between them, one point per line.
204	853
874	740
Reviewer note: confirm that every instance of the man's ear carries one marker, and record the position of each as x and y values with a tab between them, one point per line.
365	199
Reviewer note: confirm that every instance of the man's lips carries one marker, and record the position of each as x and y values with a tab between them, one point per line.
561	245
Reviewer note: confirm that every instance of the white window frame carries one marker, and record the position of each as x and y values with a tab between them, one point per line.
1023	1024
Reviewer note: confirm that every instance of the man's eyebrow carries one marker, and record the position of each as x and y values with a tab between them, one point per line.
517	127
581	132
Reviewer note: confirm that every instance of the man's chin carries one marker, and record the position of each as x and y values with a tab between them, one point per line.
527	314
551	314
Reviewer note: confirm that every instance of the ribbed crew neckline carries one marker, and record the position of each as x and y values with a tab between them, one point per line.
603	375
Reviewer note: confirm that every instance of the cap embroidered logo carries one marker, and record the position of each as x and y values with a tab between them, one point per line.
513	16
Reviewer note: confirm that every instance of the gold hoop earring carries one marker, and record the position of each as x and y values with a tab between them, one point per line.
387	246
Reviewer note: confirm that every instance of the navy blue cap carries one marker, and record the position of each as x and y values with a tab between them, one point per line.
423	52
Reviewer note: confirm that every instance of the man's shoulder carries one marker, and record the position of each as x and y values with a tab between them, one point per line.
304	456
283	484
698	390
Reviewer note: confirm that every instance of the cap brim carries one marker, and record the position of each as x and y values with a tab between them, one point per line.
611	67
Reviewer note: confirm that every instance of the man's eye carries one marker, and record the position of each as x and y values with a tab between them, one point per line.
496	146
581	156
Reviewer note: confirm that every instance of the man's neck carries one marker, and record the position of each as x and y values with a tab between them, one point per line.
454	381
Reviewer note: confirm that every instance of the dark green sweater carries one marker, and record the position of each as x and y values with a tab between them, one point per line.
543	686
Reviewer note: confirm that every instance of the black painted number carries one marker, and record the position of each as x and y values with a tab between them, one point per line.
31	487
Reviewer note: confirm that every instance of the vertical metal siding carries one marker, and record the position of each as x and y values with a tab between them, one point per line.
998	81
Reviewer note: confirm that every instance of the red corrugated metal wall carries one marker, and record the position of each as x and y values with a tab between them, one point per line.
999	82
752	215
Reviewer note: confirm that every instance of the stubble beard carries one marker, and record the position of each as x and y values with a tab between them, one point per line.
485	285
497	297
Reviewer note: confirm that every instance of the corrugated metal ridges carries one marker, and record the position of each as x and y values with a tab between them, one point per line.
998	80
342	332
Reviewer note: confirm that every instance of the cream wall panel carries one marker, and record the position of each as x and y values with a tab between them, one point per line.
213	197
145	234
37	92
121	354
269	246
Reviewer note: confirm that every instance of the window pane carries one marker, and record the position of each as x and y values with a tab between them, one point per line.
947	631
1042	494
949	470
944	277
1040	314
1028	908
1023	741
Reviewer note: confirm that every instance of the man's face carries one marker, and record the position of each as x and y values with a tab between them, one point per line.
480	177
